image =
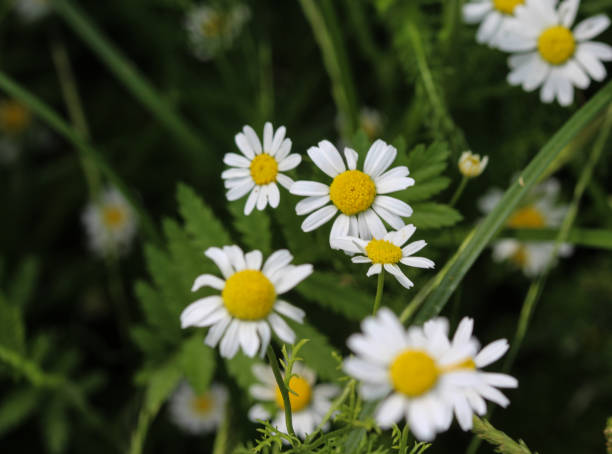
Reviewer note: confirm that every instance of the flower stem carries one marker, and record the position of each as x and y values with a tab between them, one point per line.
379	290
459	191
283	389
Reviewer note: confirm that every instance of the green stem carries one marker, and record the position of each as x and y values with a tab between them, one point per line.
220	445
459	191
350	386
379	291
283	389
140	434
127	73
403	446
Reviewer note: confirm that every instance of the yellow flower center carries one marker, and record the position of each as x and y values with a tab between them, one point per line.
300	399
520	257
14	117
470	166
556	44
507	6
264	169
249	295
113	216
381	251
352	192
528	217
202	404
213	25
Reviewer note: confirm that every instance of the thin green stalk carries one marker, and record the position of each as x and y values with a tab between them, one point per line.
221	444
76	138
379	291
127	73
502	442
403	445
283	389
140	434
459	191
348	389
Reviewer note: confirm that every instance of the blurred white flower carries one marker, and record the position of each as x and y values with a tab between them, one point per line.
550	53
32	10
424	377
212	30
472	165
309	404
110	223
492	16
259	168
198	414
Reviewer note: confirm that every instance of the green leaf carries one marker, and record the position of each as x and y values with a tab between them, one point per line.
24	281
254	229
425	165
161	383
12	329
240	368
433	216
55	427
198	363
318	353
157	312
16	407
338	293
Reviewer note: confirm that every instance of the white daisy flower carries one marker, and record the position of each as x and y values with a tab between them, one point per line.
387	252
198	414
550	53
32	10
492	16
422	376
259	168
472	165
211	30
540	210
309	404
358	195
110	223
248	306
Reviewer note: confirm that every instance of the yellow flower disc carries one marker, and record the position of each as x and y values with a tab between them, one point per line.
14	117
298	402
556	44
113	216
352	192
249	295
202	404
507	6
528	217
381	251
520	257
264	169
413	373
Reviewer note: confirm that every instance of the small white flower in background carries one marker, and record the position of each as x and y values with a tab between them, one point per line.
371	122
212	30
387	252
358	195
32	10
472	165
15	118
541	209
259	168
249	305
550	53
308	406
198	414
423	376
110	223
492	16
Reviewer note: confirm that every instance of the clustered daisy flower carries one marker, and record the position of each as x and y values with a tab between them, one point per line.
358	195
472	165
422	375
259	167
248	309
198	414
540	210
492	15
110	223
387	252
309	404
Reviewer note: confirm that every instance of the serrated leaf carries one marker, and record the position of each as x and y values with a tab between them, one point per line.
433	216
200	221
167	277
254	228
317	352
425	189
425	165
157	312
149	341
338	293
16	407
198	363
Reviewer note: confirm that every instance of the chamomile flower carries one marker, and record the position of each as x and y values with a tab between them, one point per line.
422	376
309	404
198	414
110	223
551	53
248	306
492	16
259	168
358	195
387	252
472	165
540	210
32	10
212	30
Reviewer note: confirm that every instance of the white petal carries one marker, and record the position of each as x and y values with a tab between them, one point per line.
208	280
366	371
374	269
284	150
591	27
391	181
277	260
360	259
293	277
281	329
491	353
499	380
290	162
567	12
253	260
590	64
379	158
239	191
318	218
339	229
235	173
351	158
199	310
399	275
222	261
278	139
230	342
390	411
463	412
309	188
599	50
309	204
375	225
418	262
248	338
258	412
290	311
489	27
235	160
394	205
576	74
267	136
264	335
463	333
252	200
413	247
474	12
284	181
244	145
216	331
261	392
262	198
420	425
273	195
494	395
327	158
347	243
402	235
235	256
392	219
253	139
